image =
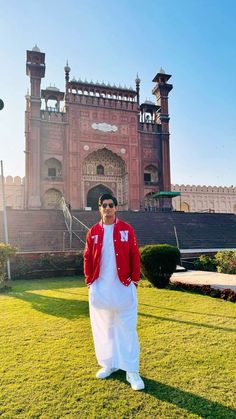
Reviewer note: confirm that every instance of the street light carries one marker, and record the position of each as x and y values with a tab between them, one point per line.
4	205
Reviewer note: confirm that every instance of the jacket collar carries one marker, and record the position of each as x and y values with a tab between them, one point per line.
101	222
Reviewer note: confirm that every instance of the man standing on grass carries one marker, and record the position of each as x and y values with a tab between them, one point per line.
112	272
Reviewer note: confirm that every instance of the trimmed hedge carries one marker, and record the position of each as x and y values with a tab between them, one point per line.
158	263
224	294
46	265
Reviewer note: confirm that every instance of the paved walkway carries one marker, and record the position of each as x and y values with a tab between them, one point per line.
214	279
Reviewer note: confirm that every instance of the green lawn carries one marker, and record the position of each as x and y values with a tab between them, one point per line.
48	365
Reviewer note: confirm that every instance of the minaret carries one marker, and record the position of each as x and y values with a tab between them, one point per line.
35	69
161	91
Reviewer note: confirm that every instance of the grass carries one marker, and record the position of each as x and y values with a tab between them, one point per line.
48	365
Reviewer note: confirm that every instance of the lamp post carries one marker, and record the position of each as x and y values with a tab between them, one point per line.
4	207
5	219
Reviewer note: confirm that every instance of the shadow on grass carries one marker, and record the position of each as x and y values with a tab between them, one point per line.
21	285
54	306
187	311
169	319
188	401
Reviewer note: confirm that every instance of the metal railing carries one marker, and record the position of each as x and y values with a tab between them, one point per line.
69	219
84	228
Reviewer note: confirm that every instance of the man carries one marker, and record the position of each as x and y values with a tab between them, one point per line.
112	272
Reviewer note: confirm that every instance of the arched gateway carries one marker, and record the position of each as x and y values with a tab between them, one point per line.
93	195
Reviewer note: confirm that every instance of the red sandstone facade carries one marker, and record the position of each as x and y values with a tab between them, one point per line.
95	138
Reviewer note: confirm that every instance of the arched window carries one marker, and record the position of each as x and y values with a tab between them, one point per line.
100	170
52	169
150	175
185	207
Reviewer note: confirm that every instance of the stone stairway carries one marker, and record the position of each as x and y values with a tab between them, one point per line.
35	230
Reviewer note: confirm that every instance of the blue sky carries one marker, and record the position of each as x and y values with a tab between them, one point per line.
110	41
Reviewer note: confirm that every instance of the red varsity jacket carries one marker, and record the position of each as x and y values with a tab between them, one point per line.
126	252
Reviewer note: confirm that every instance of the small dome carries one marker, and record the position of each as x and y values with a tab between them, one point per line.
162	71
53	88
36	48
149	102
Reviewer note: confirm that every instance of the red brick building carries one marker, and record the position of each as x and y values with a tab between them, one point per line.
94	138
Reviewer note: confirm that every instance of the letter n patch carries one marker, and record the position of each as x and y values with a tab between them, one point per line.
124	235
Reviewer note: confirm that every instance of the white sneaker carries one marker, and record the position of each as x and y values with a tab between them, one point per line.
135	380
105	372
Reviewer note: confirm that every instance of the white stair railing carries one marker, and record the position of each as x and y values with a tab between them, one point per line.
67	217
84	228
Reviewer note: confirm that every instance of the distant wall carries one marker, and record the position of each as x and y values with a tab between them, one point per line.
221	199
14	192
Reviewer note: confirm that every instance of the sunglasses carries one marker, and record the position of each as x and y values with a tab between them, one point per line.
111	205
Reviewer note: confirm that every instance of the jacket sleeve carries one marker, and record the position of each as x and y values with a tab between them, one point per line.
134	259
88	259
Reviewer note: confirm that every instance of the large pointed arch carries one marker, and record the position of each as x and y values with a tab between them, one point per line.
112	163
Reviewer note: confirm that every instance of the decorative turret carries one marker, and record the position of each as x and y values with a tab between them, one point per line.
161	91
52	94
148	111
35	69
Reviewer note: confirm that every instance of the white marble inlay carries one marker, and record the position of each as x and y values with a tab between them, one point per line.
103	126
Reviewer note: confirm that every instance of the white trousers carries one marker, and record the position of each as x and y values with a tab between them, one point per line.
114	331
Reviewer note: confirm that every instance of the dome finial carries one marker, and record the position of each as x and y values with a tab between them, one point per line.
36	48
67	70
137	80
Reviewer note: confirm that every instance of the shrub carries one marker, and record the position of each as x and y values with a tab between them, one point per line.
226	261
5	252
228	294
205	263
158	262
215	293
79	263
